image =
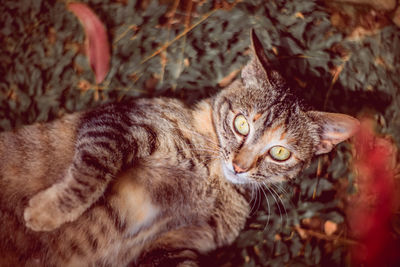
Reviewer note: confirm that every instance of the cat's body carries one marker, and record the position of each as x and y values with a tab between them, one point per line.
153	181
159	194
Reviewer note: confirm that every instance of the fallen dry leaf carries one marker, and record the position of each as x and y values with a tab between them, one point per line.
302	233
228	78
97	46
330	227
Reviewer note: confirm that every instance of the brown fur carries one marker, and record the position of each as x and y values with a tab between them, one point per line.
142	205
171	193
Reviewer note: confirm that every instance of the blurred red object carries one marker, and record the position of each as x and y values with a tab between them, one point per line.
371	209
97	46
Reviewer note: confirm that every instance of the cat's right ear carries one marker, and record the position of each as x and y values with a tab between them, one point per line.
335	128
258	71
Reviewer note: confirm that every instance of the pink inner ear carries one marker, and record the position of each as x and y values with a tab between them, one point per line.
337	135
336	128
324	147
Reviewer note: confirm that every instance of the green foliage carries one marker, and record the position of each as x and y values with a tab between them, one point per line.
44	74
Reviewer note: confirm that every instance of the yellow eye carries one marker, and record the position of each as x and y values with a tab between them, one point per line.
241	125
279	153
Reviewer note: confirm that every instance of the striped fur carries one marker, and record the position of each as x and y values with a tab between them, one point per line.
152	182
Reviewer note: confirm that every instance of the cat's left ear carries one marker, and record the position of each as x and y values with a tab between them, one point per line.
258	71
335	128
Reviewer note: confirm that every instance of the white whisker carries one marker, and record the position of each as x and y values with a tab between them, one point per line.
283	204
272	194
253	197
269	207
259	196
280	188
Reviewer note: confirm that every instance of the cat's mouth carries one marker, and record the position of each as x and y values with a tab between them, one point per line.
236	178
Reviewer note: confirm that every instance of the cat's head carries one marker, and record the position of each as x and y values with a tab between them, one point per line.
265	134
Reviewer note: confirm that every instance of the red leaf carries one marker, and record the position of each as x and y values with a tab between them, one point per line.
97	46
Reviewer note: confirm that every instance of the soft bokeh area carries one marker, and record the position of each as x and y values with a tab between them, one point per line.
339	57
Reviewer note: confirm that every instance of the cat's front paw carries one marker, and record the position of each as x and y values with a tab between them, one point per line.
43	212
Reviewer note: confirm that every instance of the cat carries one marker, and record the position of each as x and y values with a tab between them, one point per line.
153	182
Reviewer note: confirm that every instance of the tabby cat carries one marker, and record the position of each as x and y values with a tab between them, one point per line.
153	181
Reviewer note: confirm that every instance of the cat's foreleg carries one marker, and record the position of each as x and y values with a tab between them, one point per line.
99	157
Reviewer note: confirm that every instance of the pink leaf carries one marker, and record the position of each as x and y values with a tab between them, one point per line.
97	46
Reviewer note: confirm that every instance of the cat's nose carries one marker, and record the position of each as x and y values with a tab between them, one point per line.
244	160
237	168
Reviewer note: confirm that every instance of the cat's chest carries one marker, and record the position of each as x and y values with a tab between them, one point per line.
157	192
133	203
